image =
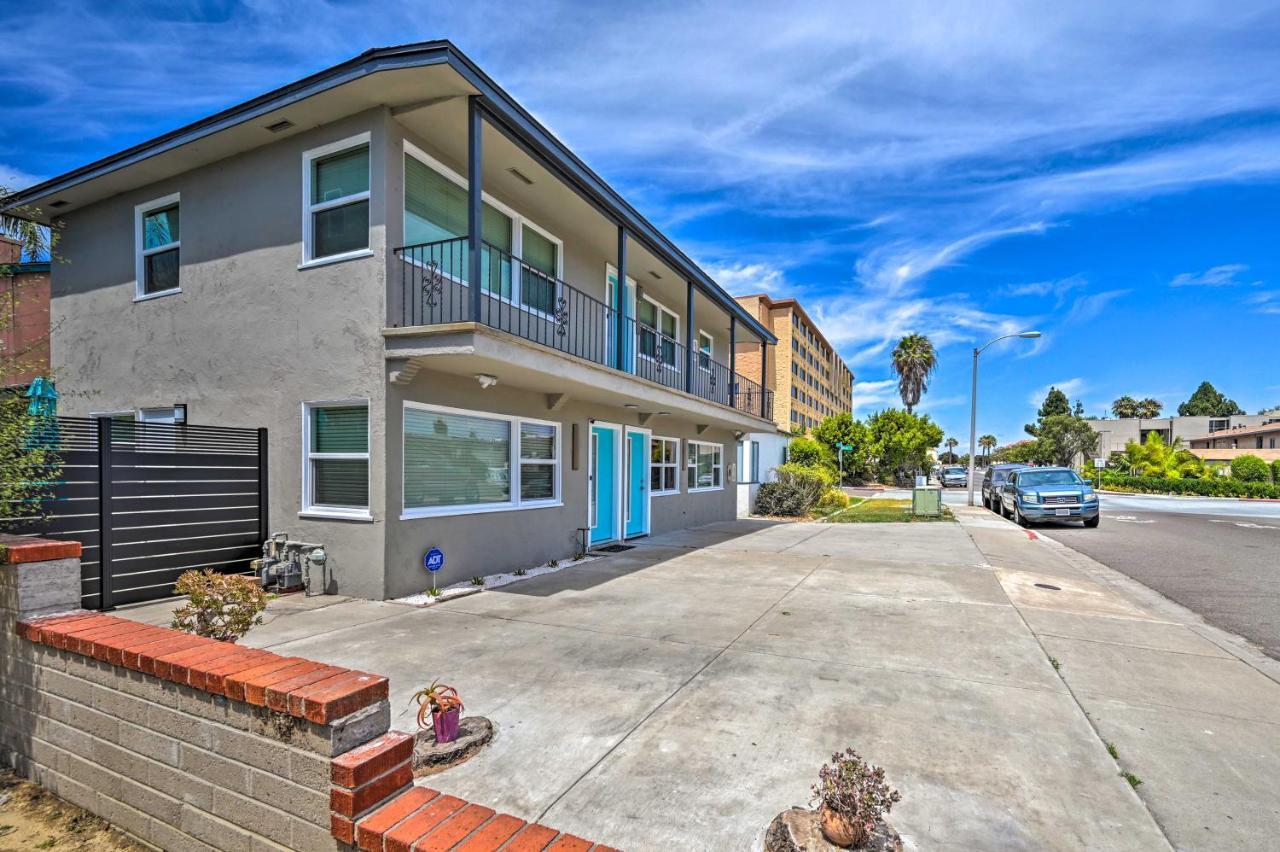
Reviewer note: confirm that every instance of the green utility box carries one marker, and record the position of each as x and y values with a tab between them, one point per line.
927	500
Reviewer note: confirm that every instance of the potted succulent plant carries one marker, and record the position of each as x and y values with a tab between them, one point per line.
442	701
852	797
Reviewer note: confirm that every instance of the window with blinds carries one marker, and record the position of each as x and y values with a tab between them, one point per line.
435	201
337	199
457	462
337	475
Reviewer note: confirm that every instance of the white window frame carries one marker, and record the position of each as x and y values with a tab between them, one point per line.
141	253
514	461
659	335
675	465
309	208
691	462
710	350
310	509
518	220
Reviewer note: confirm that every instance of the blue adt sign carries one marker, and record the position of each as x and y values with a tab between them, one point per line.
434	560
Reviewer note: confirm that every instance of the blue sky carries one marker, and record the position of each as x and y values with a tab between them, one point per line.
1106	173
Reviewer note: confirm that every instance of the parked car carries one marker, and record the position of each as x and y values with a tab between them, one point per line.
1035	494
953	474
993	481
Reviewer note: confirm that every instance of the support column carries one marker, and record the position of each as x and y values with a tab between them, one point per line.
764	371
690	354
733	360
475	210
622	299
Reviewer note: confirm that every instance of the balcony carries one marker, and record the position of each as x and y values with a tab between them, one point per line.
520	300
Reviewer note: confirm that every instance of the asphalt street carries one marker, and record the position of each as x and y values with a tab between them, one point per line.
1218	558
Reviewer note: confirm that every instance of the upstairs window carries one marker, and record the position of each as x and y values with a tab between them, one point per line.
704	351
658	328
159	244
336	181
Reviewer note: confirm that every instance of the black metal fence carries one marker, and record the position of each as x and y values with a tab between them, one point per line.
151	500
526	302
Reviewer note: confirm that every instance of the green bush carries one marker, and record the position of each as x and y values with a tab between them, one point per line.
796	491
1275	471
806	452
832	499
1250	469
1211	486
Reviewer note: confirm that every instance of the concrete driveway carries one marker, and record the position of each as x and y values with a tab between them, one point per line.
680	694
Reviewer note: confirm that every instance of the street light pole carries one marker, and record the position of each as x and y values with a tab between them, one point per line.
973	399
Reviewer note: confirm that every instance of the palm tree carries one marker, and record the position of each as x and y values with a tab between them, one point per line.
1154	457
1149	408
988	443
914	361
952	443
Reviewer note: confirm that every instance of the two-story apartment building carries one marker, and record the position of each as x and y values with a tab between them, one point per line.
458	335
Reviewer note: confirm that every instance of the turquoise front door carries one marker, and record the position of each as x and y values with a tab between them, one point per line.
602	490
637	485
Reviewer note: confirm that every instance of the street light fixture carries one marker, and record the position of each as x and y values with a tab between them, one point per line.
973	401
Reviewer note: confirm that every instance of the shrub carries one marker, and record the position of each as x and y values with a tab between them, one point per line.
855	790
1210	486
805	452
1275	471
219	606
795	493
1250	469
833	498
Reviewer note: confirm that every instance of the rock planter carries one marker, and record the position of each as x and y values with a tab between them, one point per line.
430	757
800	830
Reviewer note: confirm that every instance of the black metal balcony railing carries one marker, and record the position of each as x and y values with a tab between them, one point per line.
522	300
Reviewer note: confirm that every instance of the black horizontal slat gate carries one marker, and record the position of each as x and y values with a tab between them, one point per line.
151	500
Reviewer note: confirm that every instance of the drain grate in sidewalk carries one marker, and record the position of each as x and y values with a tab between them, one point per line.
615	548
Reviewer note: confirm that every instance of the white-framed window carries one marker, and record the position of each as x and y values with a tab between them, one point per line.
658	326
522	261
664	466
705	465
749	461
335	201
158	247
335	469
459	462
705	351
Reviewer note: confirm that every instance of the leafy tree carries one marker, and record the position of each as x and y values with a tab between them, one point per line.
1126	407
1154	457
807	452
1250	469
914	361
988	443
899	443
1055	404
1150	408
843	429
28	462
1063	437
1207	401
1019	452
1271	409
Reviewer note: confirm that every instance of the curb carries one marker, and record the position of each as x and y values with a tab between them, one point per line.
1187	496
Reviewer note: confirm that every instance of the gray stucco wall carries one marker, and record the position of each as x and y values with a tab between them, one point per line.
250	336
493	542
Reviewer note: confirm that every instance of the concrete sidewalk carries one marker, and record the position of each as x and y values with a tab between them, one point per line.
680	694
1192	711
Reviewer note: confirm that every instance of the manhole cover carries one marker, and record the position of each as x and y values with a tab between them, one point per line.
616	548
1049	587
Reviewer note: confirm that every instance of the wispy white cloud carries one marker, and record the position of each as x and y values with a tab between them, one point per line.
1226	275
743	278
1266	302
873	396
1089	307
1073	388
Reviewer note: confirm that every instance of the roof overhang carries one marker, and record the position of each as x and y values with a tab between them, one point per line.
386	76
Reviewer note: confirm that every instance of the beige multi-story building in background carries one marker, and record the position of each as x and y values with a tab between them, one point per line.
810	380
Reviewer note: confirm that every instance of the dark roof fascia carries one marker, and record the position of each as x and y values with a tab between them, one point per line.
500	105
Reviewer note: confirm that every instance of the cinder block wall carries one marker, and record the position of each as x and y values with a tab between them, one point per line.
192	744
